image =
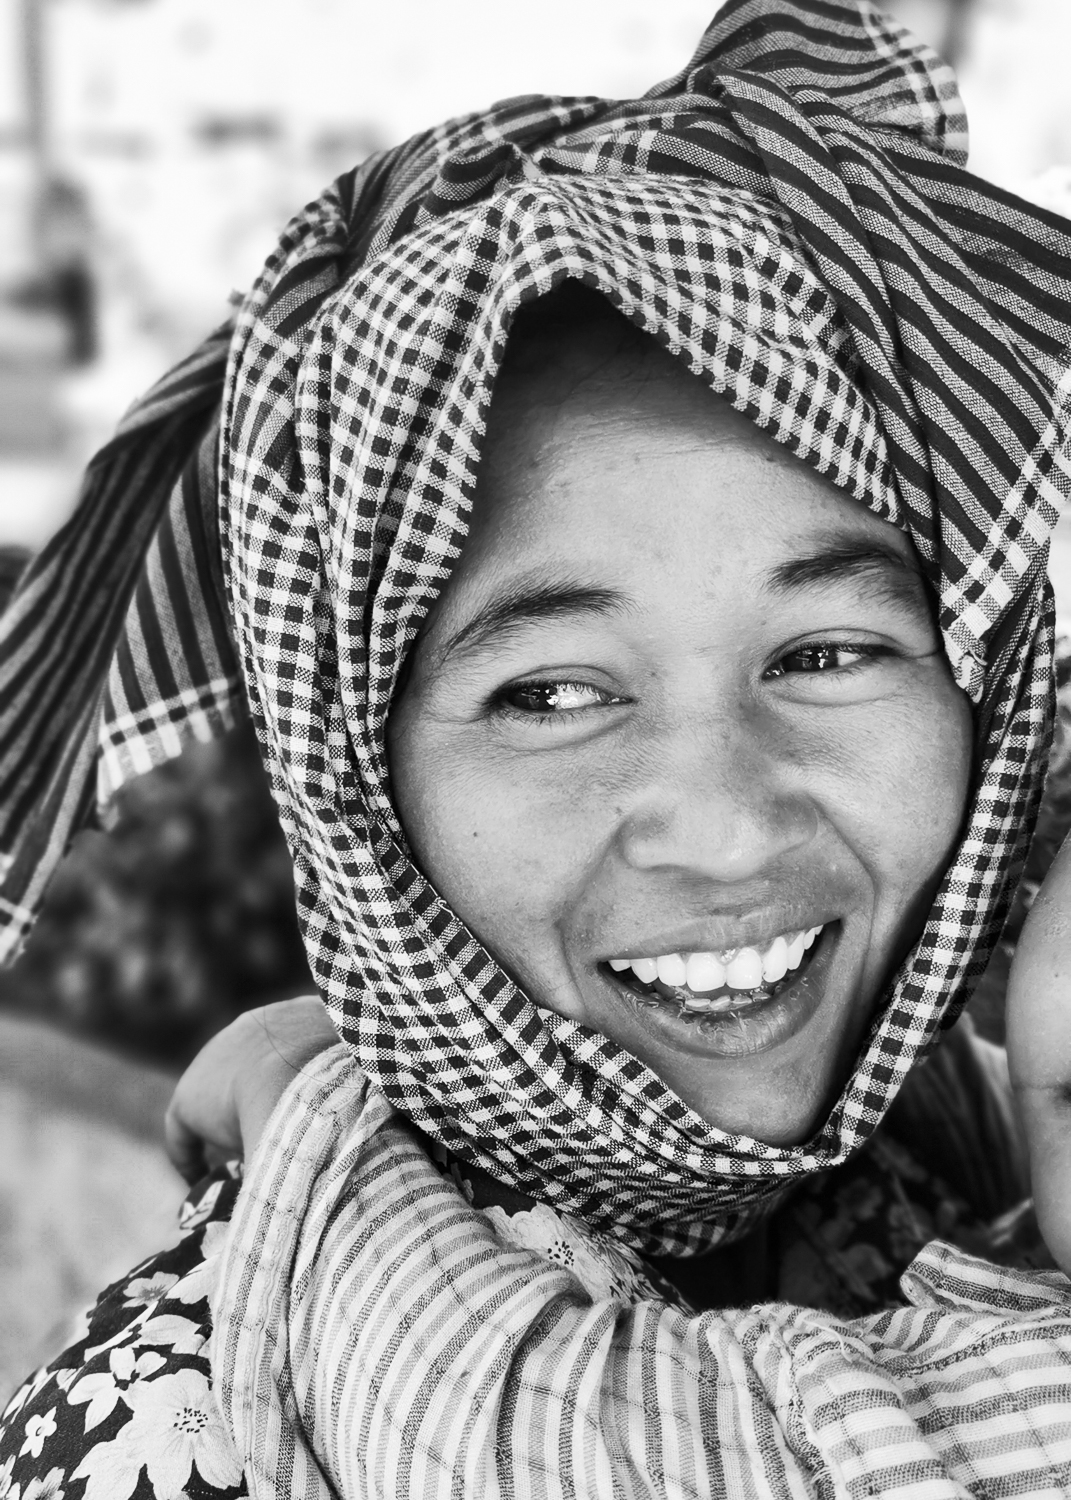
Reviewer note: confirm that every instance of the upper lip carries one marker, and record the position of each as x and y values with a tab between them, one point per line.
710	936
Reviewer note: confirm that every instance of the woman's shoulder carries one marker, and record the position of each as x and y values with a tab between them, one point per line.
127	1407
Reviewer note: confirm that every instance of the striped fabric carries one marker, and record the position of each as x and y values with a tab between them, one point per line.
377	1337
60	631
174	677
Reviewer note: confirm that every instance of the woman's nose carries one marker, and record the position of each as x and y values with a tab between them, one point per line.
723	802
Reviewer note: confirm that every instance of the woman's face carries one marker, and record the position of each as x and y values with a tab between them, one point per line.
682	702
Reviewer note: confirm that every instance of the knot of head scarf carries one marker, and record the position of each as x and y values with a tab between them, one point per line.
789	217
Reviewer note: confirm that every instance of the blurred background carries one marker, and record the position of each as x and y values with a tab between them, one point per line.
150	152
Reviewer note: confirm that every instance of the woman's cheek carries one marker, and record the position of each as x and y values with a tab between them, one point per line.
485	838
935	753
901	798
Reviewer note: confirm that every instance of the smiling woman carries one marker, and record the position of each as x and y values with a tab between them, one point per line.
631	529
681	706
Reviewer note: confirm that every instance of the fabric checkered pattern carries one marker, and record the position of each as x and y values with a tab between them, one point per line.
375	1336
789	215
798	255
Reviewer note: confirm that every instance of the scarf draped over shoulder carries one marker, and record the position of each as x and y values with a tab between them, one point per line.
791	217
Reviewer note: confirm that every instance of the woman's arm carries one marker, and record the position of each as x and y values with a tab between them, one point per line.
426	1358
373	1328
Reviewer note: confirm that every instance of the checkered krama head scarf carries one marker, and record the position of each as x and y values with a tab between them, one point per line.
789	217
777	272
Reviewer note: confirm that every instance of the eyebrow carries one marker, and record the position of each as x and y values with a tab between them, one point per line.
525	603
889	573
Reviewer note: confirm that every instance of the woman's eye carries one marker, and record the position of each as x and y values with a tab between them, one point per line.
824	656
545	699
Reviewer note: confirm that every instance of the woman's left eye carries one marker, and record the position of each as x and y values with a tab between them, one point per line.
823	656
547	699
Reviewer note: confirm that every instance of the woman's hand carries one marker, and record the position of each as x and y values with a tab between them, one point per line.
1039	1052
223	1100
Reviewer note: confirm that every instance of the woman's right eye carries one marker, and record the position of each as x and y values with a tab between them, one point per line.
551	698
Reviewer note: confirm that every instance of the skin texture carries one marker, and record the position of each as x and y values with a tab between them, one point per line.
694	738
1039	1052
224	1098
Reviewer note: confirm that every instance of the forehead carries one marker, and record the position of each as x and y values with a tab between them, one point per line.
601	445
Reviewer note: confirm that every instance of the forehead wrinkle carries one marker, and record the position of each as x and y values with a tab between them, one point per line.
526	601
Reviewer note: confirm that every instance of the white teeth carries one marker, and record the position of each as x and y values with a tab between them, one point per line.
705	972
775	961
671	970
737	968
745	971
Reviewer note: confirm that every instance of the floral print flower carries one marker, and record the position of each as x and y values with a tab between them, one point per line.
38	1429
144	1290
605	1270
102	1391
175	1427
180	1335
25	1393
201	1281
49	1488
8	1491
195	1213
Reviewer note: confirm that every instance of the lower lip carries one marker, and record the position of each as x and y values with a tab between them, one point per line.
756	1026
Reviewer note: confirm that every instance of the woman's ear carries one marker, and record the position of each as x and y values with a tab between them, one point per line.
1039	1052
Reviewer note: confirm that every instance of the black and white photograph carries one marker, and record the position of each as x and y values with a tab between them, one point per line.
535	750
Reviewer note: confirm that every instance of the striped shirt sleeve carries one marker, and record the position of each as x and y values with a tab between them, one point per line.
375	1337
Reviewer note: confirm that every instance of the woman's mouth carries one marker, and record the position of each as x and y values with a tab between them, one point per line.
734	1001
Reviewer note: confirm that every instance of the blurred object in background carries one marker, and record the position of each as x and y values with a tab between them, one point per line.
944	24
85	1188
58	211
1014	72
63	280
158	933
39	459
174	139
152	937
